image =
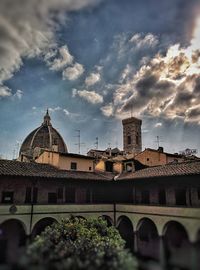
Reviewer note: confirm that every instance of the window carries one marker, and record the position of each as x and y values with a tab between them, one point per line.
90	168
70	194
145	196
35	194
129	139
52	197
162	197
73	166
147	159
7	196
109	166
180	196
55	141
28	195
129	167
60	193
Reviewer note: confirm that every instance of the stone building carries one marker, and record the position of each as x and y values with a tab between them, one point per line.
66	161
132	138
155	209
43	137
153	157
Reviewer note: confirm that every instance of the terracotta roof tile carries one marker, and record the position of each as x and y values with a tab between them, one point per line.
185	168
17	168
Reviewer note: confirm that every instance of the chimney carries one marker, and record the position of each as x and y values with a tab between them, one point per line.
160	149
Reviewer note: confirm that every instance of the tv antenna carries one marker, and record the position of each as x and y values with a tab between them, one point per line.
97	143
79	143
158	140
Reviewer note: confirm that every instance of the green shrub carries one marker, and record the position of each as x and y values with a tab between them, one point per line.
76	243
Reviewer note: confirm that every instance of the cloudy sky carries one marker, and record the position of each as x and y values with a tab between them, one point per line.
95	62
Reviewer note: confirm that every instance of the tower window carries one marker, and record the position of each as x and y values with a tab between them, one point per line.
137	138
129	139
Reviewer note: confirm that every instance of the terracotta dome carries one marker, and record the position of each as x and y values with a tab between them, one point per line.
43	137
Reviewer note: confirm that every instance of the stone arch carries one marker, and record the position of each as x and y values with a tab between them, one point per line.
12	240
41	225
147	239
177	245
107	219
125	227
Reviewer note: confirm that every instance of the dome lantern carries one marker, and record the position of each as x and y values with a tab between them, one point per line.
47	119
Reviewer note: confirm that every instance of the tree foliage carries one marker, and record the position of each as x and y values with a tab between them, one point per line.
76	243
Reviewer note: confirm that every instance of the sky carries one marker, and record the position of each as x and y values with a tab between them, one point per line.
96	62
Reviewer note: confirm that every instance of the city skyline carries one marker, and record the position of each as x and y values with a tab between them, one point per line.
93	63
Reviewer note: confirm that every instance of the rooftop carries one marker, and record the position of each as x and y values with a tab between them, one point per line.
27	169
178	169
69	154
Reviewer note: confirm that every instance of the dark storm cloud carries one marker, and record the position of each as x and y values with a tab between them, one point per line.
194	113
149	92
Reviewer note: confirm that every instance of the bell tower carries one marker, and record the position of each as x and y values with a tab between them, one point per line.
132	138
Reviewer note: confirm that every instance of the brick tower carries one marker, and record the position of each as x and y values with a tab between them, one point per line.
132	139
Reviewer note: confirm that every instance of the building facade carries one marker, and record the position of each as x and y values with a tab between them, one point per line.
156	210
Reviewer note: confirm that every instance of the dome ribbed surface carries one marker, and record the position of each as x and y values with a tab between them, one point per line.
45	137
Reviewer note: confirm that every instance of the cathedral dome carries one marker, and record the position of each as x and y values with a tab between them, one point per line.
43	137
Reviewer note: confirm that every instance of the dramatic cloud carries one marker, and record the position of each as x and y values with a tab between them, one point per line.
27	29
73	72
157	125
90	96
167	85
92	79
107	110
64	59
5	91
18	94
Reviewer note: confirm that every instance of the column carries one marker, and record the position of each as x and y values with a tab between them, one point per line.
162	253
194	257
135	242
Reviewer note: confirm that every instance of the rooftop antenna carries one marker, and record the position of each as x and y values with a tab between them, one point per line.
97	143
14	153
158	141
79	143
132	111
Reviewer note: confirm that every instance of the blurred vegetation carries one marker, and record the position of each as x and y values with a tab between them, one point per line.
76	243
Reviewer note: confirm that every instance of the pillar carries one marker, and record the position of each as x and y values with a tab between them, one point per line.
162	253
135	242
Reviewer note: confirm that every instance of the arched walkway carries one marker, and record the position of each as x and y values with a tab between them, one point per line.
147	239
108	220
41	225
12	240
125	227
177	246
